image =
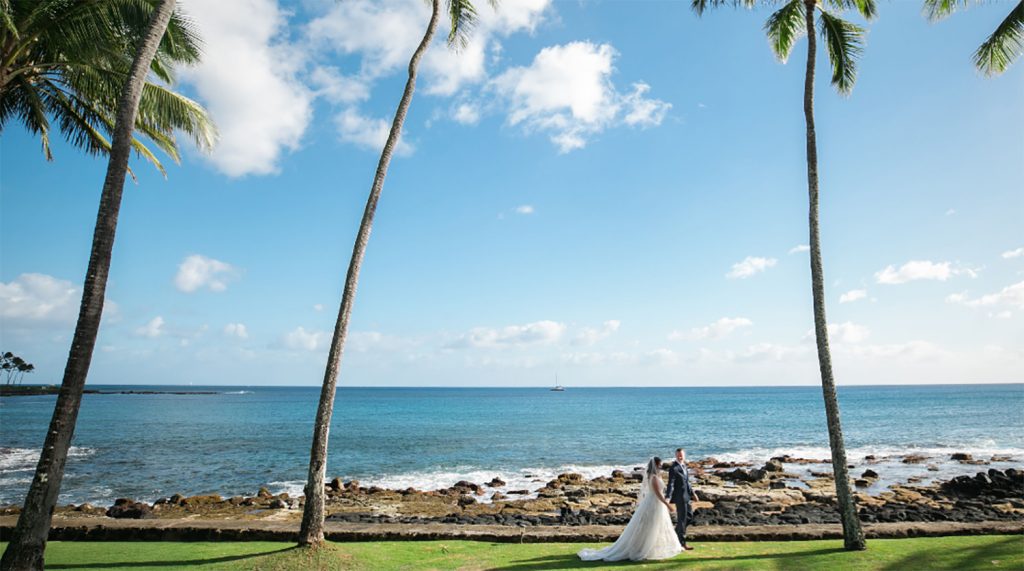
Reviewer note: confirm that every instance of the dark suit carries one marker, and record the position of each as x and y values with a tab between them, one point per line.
679	493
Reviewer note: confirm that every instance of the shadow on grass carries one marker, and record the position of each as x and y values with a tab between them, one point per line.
572	561
974	557
168	563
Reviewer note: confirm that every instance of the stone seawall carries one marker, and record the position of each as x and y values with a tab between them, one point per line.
91	529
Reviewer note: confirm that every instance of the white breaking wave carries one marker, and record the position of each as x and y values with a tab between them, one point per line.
21	459
238	393
980	450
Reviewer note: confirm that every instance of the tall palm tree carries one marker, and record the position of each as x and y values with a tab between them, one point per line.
64	62
844	42
28	541
996	54
462	17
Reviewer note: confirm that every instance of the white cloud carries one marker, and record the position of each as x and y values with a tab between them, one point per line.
466	113
154	328
911	350
643	112
771	352
567	93
236	330
524	209
247	80
300	339
799	248
537	333
1013	253
950	212
846	332
337	87
384	35
591	335
921	270
1011	295
716	330
41	300
853	295
196	272
367	132
750	266
662	357
318	307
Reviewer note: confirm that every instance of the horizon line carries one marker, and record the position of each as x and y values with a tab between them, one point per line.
549	386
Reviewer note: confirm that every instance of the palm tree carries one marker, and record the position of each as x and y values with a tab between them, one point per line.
28	541
844	42
996	54
462	17
64	62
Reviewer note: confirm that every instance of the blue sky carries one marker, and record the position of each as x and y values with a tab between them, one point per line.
618	203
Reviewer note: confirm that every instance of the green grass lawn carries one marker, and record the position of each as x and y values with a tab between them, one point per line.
981	552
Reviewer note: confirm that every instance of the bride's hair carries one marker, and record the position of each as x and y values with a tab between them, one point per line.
653	466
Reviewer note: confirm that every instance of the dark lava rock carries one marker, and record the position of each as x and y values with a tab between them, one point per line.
519	492
466	501
204	500
278	504
869	475
498	496
961	457
264	494
741	475
336	485
773	465
914	459
125	508
496	482
463	486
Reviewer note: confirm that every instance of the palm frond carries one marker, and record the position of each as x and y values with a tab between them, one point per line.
785	27
1005	44
463	18
700	6
7	20
170	111
68	61
866	8
938	9
845	42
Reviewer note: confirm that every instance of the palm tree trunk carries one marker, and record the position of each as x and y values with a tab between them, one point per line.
312	529
28	541
853	536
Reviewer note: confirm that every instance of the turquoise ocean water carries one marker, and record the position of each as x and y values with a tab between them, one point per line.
232	442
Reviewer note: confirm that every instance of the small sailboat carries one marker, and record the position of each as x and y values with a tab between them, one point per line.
558	388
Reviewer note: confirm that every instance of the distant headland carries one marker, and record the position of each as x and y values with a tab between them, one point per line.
32	390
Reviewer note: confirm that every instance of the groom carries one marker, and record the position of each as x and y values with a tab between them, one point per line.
679	492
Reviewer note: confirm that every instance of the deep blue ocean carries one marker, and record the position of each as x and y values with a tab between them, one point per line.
232	442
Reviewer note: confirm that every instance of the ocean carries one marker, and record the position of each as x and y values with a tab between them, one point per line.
150	446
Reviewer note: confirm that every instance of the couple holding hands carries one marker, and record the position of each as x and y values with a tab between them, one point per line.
649	533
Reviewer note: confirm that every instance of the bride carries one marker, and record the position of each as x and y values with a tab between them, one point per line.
649	533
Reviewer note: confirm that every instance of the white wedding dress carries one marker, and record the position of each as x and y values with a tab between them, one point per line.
649	533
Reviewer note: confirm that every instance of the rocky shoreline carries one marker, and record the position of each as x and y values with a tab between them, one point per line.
732	494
